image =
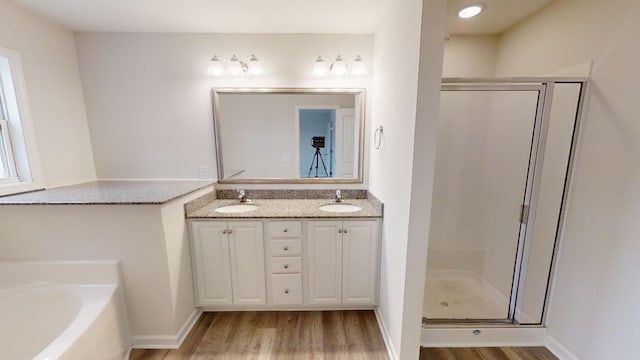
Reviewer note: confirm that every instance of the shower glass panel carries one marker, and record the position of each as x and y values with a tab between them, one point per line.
539	246
485	141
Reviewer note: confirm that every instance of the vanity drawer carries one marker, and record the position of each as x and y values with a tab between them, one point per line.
288	247
285	229
286	289
286	265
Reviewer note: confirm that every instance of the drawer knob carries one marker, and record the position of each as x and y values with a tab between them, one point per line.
285	230
286	291
286	266
286	248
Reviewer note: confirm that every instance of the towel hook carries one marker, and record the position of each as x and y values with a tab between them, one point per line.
377	137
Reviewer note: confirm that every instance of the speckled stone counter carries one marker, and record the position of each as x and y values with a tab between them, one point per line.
134	192
286	208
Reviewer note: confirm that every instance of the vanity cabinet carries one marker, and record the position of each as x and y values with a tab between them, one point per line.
295	264
228	262
285	238
343	262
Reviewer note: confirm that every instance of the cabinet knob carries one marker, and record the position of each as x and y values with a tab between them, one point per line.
344	231
225	231
229	231
286	266
286	248
286	291
285	230
339	231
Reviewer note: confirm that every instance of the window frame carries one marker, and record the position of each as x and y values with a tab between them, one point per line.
6	154
16	128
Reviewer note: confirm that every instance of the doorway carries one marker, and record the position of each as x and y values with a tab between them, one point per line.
317	145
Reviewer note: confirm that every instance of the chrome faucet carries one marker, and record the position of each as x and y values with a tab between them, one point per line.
338	197
242	197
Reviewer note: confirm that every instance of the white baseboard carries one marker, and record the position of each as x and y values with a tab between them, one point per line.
488	337
167	341
391	351
558	350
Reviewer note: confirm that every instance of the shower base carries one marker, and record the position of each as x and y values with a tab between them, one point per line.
462	295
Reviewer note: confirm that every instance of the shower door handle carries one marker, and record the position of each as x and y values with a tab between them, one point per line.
524	214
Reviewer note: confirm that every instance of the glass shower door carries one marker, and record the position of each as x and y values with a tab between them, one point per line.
486	137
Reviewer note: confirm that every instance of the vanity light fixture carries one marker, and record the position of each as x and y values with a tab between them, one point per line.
234	66
470	11
323	66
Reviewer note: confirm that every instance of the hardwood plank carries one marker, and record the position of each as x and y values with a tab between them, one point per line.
334	336
534	353
309	335
310	340
285	343
143	354
436	354
286	335
494	353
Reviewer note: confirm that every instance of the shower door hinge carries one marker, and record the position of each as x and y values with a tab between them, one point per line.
524	214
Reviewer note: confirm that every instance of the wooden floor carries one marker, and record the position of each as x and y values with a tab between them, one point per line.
279	335
505	353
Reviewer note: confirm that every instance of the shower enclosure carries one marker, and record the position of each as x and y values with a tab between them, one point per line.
503	162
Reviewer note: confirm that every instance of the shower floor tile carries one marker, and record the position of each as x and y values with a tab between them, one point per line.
453	294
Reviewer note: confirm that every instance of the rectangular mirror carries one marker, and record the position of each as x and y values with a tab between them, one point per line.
289	135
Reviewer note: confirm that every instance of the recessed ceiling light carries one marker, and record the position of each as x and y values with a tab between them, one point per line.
470	11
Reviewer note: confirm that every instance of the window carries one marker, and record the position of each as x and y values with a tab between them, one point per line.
7	163
17	159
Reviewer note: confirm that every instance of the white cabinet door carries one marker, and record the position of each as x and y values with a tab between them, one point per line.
359	262
211	263
324	252
247	263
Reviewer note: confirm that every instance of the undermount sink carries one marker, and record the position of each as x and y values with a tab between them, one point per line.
340	208
237	208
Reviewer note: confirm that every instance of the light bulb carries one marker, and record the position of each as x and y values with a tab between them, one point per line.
235	66
470	11
359	68
215	67
339	67
320	68
255	68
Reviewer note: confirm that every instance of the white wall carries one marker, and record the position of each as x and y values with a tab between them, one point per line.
147	95
54	94
397	52
593	309
470	56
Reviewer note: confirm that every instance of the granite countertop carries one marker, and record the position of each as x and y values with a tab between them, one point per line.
110	192
286	208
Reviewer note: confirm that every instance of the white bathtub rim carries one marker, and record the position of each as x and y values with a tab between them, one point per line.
93	304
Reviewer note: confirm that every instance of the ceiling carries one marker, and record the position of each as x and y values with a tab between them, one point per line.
262	16
214	16
498	15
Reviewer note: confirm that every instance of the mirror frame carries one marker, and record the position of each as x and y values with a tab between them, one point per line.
215	101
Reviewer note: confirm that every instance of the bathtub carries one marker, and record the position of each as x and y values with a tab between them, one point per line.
61	317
